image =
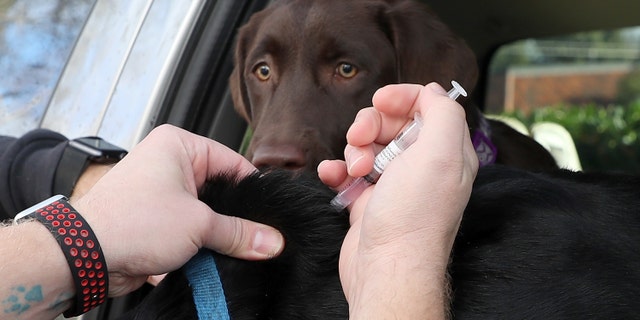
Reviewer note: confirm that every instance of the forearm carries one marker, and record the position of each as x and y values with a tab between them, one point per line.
37	283
408	284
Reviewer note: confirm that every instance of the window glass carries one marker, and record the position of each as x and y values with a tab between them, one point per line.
36	38
588	82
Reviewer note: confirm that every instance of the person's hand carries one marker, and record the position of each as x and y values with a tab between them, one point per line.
147	217
402	229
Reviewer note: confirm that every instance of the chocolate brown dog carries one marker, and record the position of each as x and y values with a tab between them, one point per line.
303	69
558	245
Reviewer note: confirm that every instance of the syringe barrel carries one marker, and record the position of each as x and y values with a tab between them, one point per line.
410	134
401	142
348	195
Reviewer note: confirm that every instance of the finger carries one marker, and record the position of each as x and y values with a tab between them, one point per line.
365	127
333	173
155	280
397	99
397	103
242	238
202	158
209	157
359	160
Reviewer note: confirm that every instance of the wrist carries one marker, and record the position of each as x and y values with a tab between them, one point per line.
401	297
116	252
401	284
36	282
88	178
79	246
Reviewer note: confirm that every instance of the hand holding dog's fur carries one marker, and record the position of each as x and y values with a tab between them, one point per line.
146	212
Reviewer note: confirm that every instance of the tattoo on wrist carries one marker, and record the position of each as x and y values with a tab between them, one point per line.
62	302
21	299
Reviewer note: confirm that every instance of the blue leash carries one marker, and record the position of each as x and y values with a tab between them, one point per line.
208	294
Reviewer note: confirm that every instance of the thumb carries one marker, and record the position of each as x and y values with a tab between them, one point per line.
242	238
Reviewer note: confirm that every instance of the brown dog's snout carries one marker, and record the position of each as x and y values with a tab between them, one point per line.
281	156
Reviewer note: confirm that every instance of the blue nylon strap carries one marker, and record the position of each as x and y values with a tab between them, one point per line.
208	294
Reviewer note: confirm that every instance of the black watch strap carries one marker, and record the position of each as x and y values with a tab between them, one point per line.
76	158
71	166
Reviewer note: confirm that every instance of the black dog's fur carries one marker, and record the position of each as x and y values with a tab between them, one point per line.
531	246
301	283
561	245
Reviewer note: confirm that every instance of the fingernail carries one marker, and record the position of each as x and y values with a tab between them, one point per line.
353	157
268	242
435	87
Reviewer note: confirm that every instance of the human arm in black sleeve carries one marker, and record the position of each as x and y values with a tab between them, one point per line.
27	169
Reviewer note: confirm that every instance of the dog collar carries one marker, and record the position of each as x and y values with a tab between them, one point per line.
485	149
208	294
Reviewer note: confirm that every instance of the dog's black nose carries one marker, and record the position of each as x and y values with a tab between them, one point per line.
281	156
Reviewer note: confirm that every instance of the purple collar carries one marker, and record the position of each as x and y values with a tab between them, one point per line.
485	149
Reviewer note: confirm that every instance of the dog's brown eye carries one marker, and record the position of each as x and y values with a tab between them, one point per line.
263	72
347	70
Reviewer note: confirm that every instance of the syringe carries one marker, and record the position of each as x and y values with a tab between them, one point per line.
400	143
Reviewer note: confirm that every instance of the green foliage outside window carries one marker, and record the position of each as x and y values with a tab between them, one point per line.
606	137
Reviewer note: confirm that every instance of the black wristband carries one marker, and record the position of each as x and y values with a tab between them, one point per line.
76	157
81	249
71	166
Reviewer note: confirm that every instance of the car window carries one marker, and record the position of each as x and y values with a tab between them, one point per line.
36	38
589	83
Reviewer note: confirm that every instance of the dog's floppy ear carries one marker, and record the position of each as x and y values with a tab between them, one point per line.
237	85
426	49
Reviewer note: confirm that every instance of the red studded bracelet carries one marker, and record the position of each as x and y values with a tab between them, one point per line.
82	250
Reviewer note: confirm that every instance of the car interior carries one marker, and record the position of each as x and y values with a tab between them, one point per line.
485	26
197	96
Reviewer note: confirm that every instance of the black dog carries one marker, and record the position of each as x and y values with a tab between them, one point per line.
531	246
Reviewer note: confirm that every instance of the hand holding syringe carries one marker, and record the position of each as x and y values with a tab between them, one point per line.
400	143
